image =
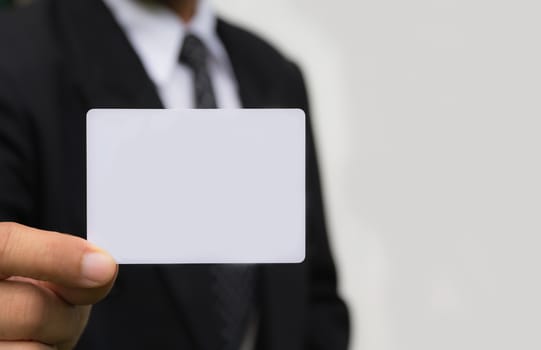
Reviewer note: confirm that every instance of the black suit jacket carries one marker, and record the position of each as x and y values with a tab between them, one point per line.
59	58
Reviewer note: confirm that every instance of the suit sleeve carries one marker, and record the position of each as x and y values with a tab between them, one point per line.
328	327
17	166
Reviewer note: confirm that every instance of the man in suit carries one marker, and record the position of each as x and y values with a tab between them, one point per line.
59	59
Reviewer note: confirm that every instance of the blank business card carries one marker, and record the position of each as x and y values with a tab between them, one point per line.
197	185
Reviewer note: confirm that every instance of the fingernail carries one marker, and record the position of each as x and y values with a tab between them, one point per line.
97	268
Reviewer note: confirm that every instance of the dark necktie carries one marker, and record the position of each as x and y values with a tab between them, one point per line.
233	286
194	54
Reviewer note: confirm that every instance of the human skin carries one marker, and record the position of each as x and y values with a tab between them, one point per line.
185	9
48	282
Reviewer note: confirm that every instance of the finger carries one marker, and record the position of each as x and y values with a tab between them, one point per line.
73	296
30	312
79	296
24	345
50	256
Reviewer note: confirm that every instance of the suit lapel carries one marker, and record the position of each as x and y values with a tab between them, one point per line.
255	85
102	60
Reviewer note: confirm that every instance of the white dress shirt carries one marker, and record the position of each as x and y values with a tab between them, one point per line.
156	34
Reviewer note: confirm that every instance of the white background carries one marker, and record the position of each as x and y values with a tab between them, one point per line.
427	116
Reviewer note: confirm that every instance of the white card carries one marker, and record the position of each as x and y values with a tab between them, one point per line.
197	186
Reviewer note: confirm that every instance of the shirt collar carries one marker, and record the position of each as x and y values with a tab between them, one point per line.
156	34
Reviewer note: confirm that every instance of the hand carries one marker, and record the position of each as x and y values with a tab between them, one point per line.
48	281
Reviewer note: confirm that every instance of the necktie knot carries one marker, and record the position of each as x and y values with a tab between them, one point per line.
194	53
